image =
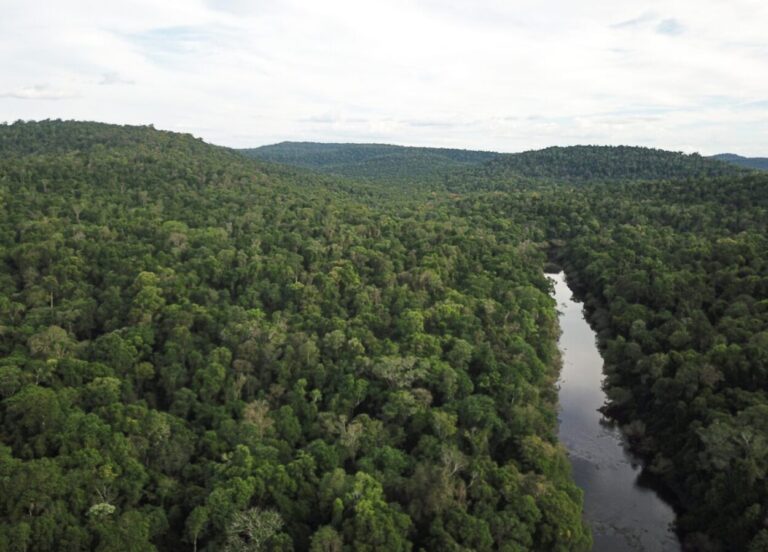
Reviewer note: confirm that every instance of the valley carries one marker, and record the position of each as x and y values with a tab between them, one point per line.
355	347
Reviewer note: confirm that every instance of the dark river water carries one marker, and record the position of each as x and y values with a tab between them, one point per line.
622	512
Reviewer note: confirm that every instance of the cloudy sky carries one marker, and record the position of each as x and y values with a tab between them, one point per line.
505	75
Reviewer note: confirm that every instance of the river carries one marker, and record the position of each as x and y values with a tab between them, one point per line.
624	514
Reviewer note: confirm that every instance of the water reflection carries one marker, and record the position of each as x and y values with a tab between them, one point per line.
623	511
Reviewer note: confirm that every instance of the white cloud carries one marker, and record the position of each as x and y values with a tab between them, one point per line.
112	77
671	27
490	74
635	22
38	92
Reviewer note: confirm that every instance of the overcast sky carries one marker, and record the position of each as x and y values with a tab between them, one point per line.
505	75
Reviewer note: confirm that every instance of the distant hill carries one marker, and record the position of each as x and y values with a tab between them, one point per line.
580	164
373	161
55	136
607	163
760	163
468	170
131	154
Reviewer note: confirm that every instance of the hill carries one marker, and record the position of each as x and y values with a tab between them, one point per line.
760	163
53	137
466	170
581	164
372	161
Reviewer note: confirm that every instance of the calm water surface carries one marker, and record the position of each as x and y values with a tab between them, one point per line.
624	515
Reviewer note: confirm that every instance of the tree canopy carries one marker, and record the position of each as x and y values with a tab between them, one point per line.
205	351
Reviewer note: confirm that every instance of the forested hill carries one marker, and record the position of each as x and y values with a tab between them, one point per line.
466	170
198	352
760	163
372	161
579	164
127	153
53	137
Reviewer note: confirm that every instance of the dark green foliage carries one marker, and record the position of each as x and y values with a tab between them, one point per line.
56	137
373	161
606	163
584	164
676	277
198	351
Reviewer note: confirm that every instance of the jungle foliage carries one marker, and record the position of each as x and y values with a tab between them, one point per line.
199	350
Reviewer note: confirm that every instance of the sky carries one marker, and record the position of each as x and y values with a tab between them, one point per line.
502	75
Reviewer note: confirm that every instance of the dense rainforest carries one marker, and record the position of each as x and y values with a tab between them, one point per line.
201	350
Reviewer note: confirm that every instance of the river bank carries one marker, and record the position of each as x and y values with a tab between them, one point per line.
623	509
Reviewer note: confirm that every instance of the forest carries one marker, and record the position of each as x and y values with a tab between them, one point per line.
379	162
210	349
